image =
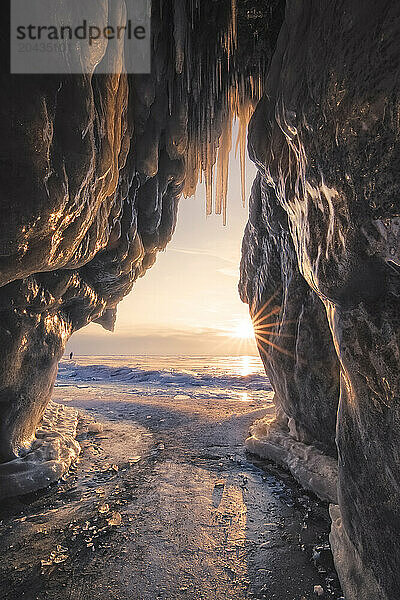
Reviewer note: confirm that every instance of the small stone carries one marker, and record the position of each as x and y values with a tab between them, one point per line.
60	558
318	590
103	508
46	563
115	519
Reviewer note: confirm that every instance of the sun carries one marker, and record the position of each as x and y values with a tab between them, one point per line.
244	329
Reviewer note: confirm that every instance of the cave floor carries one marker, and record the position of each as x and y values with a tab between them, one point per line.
165	504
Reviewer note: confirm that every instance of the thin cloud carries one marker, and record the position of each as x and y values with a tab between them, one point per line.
202	252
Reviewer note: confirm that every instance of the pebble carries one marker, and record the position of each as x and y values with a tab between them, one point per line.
115	519
318	590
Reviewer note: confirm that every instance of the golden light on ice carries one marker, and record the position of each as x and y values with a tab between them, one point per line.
265	329
246	368
244	329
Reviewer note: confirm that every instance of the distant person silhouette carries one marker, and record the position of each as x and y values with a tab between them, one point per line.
71	355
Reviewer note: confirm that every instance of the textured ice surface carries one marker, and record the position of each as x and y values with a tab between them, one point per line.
360	581
326	139
50	456
200	377
314	470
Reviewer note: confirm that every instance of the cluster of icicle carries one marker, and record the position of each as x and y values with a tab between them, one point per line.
213	160
217	94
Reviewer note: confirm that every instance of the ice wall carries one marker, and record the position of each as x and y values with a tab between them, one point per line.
291	326
325	137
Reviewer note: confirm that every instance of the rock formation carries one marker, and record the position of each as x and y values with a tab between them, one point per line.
296	347
325	137
290	322
92	167
91	175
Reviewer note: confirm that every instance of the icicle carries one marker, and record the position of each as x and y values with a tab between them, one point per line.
192	171
244	113
223	168
180	23
208	181
215	95
234	24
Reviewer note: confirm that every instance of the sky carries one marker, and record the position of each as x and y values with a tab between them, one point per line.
188	302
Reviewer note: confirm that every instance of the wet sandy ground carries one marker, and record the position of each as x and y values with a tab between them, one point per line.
165	504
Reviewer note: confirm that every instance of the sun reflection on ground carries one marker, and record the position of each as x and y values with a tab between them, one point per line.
246	367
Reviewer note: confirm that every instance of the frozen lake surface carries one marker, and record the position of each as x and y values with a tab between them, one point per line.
165	503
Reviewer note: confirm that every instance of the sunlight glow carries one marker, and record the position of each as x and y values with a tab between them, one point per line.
264	329
244	330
